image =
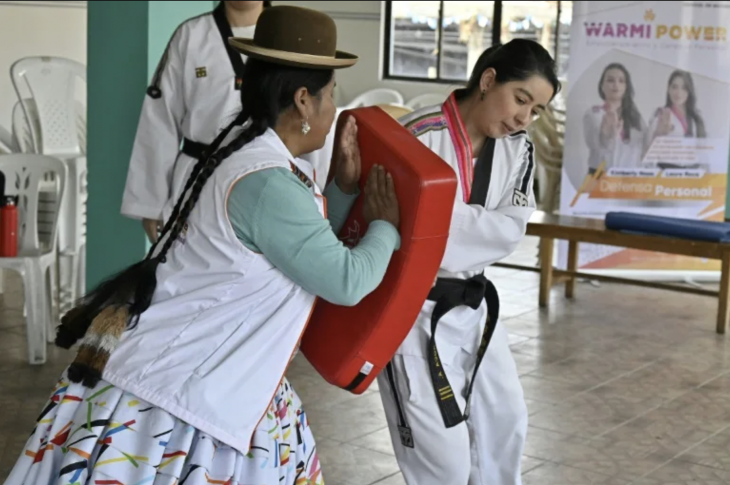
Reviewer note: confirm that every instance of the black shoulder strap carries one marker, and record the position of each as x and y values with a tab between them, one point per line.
482	174
219	14
154	90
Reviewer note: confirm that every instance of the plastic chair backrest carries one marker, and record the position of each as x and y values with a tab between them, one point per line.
428	99
24	174
548	139
25	125
376	96
51	83
7	142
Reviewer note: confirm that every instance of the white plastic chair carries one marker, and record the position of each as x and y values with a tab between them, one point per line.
56	121
51	83
547	133
376	96
428	99
24	174
23	134
7	142
24	126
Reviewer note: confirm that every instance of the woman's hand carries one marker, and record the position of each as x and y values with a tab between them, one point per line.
664	127
381	202
348	158
610	124
152	229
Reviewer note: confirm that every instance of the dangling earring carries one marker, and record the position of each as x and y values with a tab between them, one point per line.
305	127
482	96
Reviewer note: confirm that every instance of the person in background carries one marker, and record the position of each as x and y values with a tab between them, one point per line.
180	373
614	131
679	116
442	432
198	77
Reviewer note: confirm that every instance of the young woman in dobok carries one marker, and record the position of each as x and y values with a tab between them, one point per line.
480	132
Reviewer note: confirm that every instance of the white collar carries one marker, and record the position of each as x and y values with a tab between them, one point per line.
271	138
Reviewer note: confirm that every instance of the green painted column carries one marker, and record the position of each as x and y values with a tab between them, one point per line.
125	43
116	78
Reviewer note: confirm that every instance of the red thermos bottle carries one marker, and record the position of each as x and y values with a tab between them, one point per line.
9	229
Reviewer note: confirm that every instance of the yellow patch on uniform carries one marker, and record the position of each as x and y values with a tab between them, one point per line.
133	403
201	72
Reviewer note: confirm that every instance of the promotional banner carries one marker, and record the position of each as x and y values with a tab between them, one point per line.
648	124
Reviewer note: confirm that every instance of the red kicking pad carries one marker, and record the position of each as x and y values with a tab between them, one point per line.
349	346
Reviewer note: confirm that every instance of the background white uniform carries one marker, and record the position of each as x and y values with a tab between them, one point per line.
487	449
193	95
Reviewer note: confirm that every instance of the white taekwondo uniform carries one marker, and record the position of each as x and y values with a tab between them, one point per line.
488	448
193	96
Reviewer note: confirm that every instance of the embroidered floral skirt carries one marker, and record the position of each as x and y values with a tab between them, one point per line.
105	436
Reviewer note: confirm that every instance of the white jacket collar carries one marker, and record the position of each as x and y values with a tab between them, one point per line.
272	139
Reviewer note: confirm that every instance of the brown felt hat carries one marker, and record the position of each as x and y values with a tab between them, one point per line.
295	36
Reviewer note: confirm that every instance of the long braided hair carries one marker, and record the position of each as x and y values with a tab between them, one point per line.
115	305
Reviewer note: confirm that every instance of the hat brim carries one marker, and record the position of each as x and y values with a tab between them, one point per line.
248	48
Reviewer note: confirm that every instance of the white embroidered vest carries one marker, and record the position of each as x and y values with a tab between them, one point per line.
214	345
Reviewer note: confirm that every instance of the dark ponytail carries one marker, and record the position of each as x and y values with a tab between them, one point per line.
117	303
517	60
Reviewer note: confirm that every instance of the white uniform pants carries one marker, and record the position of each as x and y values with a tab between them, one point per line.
487	449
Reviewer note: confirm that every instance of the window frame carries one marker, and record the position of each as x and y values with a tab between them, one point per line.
496	34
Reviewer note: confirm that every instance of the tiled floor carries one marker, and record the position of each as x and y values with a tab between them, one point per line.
624	386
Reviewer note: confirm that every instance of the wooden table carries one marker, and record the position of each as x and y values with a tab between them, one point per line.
549	227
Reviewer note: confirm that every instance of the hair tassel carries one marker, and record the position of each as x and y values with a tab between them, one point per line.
99	320
99	342
73	326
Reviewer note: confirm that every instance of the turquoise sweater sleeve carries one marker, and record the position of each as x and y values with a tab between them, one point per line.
339	205
273	213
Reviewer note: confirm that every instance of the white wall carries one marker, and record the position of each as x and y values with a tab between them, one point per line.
30	28
58	28
359	31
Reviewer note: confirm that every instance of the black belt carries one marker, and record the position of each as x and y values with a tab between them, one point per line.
194	149
449	294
